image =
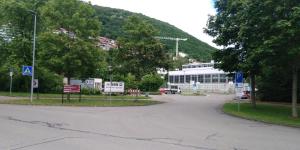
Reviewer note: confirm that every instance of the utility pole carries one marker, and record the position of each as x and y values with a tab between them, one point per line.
10	85
173	39
110	76
33	54
110	79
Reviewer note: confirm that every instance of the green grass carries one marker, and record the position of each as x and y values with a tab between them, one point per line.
84	102
87	100
269	113
58	96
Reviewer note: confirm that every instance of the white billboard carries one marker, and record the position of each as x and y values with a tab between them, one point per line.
114	87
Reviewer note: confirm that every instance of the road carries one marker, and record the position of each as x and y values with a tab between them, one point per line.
182	123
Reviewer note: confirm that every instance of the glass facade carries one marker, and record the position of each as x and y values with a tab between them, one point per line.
223	78
181	79
207	78
171	79
201	78
176	80
215	78
187	79
194	78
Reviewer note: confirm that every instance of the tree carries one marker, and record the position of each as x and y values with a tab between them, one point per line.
130	81
16	28
282	38
68	43
139	52
232	31
258	34
151	82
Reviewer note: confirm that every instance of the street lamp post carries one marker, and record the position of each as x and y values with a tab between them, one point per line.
11	78
33	53
110	79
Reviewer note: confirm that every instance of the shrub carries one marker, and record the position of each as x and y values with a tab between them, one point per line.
151	83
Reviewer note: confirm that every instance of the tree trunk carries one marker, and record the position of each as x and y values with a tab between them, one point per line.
294	92
252	82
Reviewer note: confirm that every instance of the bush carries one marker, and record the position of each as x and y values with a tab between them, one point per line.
151	83
90	91
130	81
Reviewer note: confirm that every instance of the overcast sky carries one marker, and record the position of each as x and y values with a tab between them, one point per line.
188	15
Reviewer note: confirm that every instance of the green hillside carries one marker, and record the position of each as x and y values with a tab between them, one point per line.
113	19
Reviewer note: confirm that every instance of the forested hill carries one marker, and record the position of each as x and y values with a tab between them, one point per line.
113	19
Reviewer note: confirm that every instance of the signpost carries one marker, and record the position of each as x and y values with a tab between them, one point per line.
36	83
239	86
239	79
68	89
11	73
27	70
114	87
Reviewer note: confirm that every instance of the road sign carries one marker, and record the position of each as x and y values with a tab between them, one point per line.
89	82
27	70
71	88
239	77
11	74
115	87
35	83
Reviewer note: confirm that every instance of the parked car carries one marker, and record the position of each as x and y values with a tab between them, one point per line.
173	90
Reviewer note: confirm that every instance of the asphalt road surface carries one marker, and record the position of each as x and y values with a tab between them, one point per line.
182	123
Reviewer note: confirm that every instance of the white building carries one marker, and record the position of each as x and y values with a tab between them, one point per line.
200	77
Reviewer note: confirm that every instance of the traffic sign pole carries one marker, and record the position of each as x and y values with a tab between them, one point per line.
33	57
239	84
10	86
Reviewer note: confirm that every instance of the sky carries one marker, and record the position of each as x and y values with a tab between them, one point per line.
188	15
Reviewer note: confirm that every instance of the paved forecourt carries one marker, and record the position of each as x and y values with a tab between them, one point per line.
182	123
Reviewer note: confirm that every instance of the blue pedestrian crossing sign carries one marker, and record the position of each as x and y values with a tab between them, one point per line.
27	70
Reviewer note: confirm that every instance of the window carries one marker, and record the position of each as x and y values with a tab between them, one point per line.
171	79
207	78
222	78
176	79
215	78
181	79
200	78
187	79
194	78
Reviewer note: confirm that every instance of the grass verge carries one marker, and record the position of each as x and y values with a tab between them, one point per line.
84	102
58	96
268	113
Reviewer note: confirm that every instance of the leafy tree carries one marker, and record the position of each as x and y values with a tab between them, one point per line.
239	24
68	42
151	82
281	40
130	82
232	31
16	26
139	52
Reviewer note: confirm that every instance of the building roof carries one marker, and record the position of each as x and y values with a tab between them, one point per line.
194	71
